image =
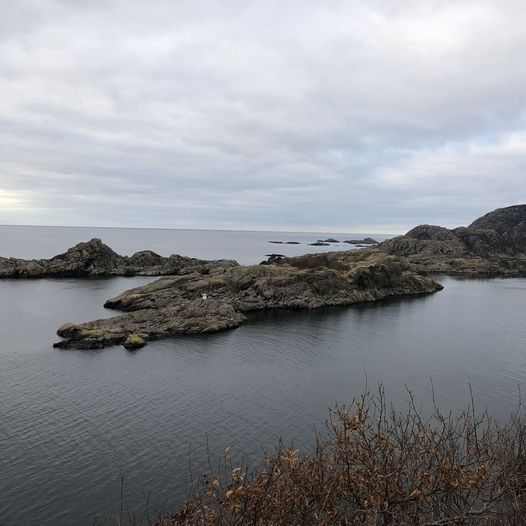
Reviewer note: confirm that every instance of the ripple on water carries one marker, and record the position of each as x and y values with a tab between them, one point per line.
73	421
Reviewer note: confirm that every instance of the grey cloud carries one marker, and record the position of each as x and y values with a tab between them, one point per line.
304	115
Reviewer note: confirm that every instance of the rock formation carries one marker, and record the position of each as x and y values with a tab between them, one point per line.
134	329
364	241
493	244
171	305
272	258
95	259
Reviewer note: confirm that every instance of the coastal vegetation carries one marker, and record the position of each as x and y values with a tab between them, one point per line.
376	466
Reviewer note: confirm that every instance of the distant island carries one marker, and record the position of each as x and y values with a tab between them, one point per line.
95	259
365	241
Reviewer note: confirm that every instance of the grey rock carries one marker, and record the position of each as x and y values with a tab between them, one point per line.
493	244
95	259
364	241
134	329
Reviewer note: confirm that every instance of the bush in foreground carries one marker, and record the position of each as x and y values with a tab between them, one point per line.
377	466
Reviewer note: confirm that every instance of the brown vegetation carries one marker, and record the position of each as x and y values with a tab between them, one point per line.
377	466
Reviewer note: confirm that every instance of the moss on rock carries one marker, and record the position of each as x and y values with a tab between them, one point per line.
68	329
134	341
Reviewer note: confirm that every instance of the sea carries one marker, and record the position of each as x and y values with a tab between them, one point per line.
84	434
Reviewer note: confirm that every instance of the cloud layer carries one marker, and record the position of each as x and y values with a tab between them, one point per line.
301	115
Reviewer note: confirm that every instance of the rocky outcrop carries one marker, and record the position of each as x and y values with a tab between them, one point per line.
169	305
272	258
364	241
493	244
134	329
95	259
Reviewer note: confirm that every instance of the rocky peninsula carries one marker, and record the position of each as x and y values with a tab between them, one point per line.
494	244
175	304
95	259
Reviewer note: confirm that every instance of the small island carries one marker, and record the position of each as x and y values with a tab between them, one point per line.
95	259
362	242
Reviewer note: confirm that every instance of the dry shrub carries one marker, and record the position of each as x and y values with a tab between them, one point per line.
377	466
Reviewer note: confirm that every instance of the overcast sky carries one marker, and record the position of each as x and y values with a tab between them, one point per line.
271	115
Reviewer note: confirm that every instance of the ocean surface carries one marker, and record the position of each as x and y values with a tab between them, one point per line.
245	247
72	423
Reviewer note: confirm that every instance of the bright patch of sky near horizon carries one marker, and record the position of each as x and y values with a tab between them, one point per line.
298	115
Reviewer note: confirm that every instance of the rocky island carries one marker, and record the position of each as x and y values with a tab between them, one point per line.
95	259
175	305
494	244
362	242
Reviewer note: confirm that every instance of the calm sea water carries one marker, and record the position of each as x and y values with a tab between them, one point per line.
245	247
72	422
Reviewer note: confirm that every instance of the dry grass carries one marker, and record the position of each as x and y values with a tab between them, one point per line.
377	466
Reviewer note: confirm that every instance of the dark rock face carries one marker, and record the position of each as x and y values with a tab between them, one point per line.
272	258
319	244
493	244
95	259
169	305
509	223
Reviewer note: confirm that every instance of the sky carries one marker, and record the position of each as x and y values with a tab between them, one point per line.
334	116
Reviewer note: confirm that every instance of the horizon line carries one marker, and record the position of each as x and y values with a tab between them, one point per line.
203	229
